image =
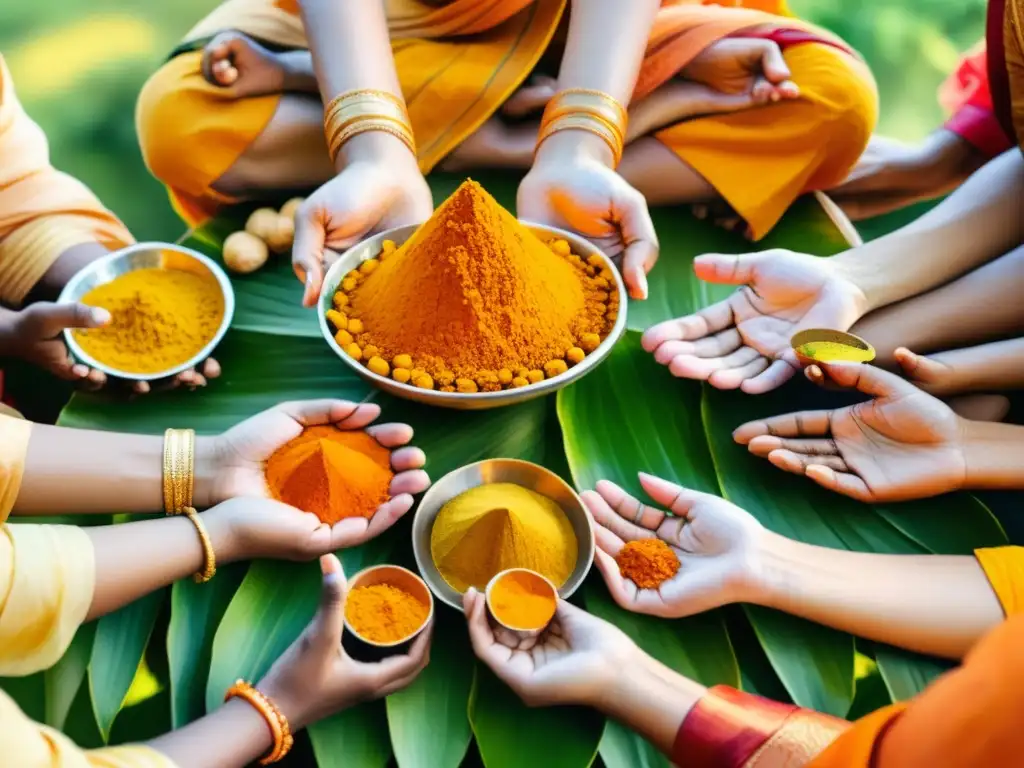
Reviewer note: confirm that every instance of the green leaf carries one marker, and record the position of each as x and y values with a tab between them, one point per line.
622	748
511	735
196	611
906	674
64	679
428	720
953	524
355	738
28	692
120	642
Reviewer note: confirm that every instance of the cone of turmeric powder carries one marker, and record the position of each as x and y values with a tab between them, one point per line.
522	601
386	608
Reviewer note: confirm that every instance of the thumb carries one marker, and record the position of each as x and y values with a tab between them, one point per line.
773	64
329	621
46	320
641	244
307	252
864	378
726	268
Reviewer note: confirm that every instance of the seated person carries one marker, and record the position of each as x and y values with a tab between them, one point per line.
235	113
51	226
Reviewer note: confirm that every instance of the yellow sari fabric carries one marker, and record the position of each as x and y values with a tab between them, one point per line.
43	212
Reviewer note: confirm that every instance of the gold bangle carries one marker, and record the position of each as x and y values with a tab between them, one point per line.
588	123
342	126
596	100
178	469
209	555
364	93
355	112
363	126
280	730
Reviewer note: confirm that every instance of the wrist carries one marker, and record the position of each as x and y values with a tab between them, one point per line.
220	529
291	705
206	467
572	146
993	455
376	147
775	578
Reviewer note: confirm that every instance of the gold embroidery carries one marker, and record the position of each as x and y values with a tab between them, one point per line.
1013	51
800	739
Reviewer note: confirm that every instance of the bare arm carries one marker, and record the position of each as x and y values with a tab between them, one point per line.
974	225
986	367
933	604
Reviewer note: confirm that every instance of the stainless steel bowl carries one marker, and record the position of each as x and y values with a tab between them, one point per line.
371	248
532	476
147	256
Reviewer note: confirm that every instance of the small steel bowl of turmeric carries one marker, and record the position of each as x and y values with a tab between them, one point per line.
521	603
521	385
386	608
171	307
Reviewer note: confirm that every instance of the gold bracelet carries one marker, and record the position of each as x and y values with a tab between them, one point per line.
280	730
355	112
591	101
584	122
209	555
179	469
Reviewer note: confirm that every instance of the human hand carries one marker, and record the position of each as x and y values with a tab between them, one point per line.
241	66
368	196
744	341
736	65
932	374
572	662
316	678
902	444
35	334
572	186
716	543
236	459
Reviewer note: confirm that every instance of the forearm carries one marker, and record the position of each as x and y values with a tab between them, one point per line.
995	455
78	471
932	604
975	224
134	559
986	367
234	735
650	699
299	74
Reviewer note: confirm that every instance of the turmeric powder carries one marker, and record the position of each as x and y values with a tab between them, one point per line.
382	613
497	526
333	473
522	600
479	294
647	562
160	318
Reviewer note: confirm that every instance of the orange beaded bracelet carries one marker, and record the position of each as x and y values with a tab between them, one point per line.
276	721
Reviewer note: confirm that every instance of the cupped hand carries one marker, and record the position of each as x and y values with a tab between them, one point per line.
573	662
744	65
571	187
716	543
240	453
36	334
242	66
368	196
316	678
744	341
902	444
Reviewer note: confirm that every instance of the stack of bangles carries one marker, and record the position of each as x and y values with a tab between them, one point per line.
179	483
276	721
355	112
586	110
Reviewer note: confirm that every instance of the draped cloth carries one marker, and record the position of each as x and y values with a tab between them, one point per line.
965	95
43	212
458	61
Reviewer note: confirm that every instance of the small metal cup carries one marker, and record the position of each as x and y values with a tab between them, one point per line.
520	633
362	649
861	351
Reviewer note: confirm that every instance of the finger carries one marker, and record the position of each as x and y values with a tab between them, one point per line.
396	668
310	413
308	252
710	320
530	98
799	424
214	53
623	592
730	269
797	463
724	343
79	371
867	379
211	368
411	481
391	435
690	367
841	482
700	211
776	374
363	415
389	513
773	64
761	92
677	498
45	320
607	541
405	459
735	377
787	89
142	388
95	380
481	636
765	444
329	621
640	516
641	243
606	518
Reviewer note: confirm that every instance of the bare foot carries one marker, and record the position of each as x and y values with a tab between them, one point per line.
242	66
980	407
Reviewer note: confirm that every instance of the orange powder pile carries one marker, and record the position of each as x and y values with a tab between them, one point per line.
647	562
474	299
382	613
331	472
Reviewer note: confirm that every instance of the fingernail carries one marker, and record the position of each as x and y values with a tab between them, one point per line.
100	316
79	370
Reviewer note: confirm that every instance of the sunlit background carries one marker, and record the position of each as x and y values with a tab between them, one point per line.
78	67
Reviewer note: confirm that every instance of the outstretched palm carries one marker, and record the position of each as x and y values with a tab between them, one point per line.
713	539
744	340
902	444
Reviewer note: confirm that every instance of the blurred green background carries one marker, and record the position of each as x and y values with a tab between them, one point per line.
78	67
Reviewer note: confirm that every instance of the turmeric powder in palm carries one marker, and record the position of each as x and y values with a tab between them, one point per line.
473	293
497	526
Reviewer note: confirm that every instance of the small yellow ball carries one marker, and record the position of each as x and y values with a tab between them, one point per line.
465	385
505	377
445	378
402	361
535	376
522	373
378	365
338	319
368	266
424	382
344	338
575	355
401	375
447	388
340	300
519	381
348	284
244	252
595	261
554	367
353	351
262	223
589	342
355	325
561	247
370	351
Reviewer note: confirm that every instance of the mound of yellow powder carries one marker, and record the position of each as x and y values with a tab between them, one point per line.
497	526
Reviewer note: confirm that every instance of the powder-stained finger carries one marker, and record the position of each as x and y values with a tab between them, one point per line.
408	458
391	435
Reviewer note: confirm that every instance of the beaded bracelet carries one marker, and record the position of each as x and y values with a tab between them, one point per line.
276	721
587	110
355	112
178	470
209	555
